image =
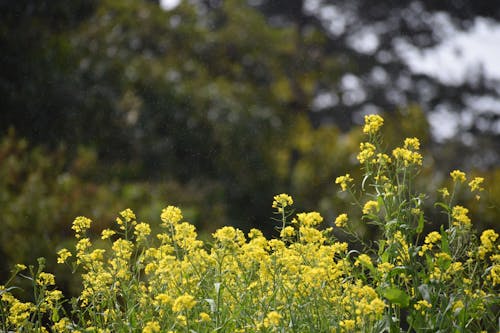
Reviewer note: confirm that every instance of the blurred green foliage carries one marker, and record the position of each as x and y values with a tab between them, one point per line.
41	192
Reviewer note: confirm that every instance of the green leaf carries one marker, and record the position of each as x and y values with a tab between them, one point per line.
420	226
381	247
395	296
445	244
380	203
442	205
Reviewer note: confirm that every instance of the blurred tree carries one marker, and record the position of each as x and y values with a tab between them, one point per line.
217	93
372	40
41	192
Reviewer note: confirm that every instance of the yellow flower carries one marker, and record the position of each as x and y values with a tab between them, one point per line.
364	260
45	279
367	150
458	176
63	325
429	241
151	327
163	299
171	215
287	232
311	235
128	215
343	181
432	237
80	225
107	233
182	320
348	324
444	192
411	144
62	255
459	214
184	302
272	319
373	123
341	220
475	185
229	236
383	159
370	207
281	201
495	275
422	306
122	248
20	312
457	306
377	306
488	238
204	317
142	230
407	156
20	267
385	267
309	219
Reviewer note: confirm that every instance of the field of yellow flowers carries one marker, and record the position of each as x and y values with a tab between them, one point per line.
305	280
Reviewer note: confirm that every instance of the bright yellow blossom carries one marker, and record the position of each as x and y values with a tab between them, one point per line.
367	150
460	218
341	220
281	201
309	219
272	319
80	225
171	215
63	255
373	123
184	302
458	176
370	207
344	181
411	144
488	238
151	327
204	317
475	184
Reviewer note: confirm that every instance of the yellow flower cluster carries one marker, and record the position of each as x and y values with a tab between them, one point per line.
171	215
475	184
422	306
460	218
458	176
367	150
341	220
370	207
407	156
373	123
304	280
63	255
273	318
431	239
488	238
183	303
309	219
80	225
242	268
344	181
281	201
